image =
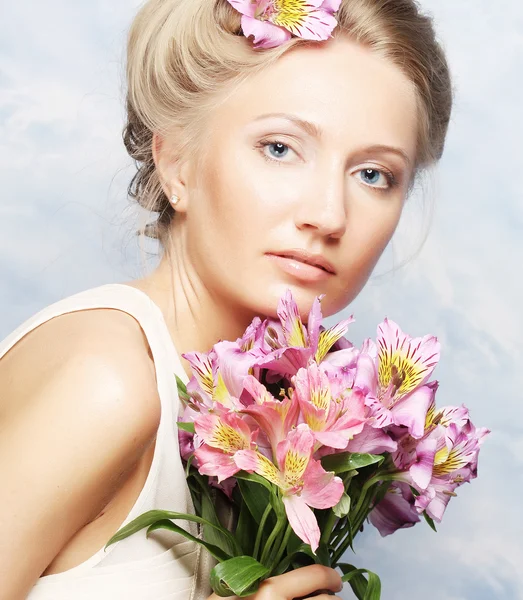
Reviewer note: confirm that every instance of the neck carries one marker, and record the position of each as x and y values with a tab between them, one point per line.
196	318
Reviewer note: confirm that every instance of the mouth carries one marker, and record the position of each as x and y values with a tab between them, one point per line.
308	258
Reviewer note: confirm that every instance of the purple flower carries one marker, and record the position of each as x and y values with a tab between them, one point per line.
394	375
273	22
395	511
290	345
443	459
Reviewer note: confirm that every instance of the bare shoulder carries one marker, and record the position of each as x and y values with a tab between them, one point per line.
79	408
101	353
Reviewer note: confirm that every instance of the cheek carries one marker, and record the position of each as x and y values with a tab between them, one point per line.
245	195
364	242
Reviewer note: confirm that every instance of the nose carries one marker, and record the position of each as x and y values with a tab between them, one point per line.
323	206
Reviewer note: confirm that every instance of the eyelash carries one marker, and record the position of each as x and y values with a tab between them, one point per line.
389	176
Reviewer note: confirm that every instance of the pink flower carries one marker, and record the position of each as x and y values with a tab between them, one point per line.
443	459
291	346
223	434
275	417
272	22
207	386
235	360
455	463
394	377
303	481
333	419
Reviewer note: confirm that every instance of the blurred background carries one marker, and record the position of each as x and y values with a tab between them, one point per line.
66	225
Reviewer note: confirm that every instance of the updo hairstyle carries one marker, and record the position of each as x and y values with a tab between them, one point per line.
182	54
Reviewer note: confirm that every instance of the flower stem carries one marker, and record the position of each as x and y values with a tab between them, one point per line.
327	530
270	541
260	530
281	549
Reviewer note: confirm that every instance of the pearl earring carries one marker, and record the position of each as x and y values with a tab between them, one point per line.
175	199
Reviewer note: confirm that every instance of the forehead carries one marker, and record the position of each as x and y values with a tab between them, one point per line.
347	90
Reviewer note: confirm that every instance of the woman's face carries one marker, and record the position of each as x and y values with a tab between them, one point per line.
291	164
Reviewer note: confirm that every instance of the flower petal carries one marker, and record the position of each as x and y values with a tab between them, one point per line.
266	35
421	469
411	411
226	431
410	361
314	321
294	454
302	520
322	489
249	460
245	7
293	328
234	365
366	374
331	5
312	386
286	361
371	441
215	462
328	337
317	25
395	511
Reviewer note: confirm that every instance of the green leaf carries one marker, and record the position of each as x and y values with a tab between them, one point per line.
380	493
349	461
244	530
342	509
214	535
285	563
189	464
257	498
154	516
255	478
182	390
189	427
363	589
218	553
239	576
322	555
430	521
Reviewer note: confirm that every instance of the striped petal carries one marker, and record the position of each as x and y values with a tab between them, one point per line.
404	363
293	328
328	337
227	432
315	25
252	461
294	454
311	385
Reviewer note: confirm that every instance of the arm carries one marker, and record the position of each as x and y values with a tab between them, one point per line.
67	434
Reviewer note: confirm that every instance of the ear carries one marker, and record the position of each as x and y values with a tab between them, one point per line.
171	170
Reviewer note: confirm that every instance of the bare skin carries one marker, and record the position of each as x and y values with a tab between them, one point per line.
263	184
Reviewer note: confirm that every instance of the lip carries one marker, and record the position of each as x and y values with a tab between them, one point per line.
301	255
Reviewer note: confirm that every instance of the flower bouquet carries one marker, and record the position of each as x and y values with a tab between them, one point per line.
306	437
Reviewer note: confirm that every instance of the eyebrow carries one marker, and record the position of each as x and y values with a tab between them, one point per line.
315	131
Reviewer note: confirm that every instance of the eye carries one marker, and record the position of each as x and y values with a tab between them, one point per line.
372	176
274	150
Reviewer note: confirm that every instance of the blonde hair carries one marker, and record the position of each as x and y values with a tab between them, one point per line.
182	54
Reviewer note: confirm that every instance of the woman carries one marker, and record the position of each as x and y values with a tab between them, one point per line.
269	168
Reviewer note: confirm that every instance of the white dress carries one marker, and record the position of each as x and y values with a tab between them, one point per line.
164	566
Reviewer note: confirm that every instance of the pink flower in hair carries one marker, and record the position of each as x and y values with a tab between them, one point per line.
273	22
